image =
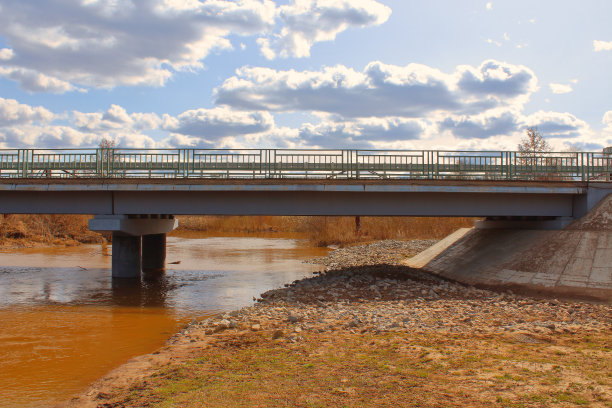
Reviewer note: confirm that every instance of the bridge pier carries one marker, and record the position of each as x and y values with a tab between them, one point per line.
153	251
126	261
139	241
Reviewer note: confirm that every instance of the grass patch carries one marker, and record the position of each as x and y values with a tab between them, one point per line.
355	370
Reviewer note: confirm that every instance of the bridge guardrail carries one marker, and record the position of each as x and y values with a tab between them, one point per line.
304	163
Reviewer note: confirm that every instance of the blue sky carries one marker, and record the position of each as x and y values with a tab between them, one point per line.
381	74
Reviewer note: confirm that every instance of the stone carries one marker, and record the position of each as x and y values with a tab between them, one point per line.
294	318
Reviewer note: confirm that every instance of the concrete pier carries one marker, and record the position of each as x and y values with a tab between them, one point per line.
154	251
139	241
126	261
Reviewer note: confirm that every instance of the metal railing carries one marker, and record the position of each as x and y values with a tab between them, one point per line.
288	163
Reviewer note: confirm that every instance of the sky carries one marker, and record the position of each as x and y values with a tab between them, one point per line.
330	74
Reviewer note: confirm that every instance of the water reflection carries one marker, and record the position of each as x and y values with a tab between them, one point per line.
64	322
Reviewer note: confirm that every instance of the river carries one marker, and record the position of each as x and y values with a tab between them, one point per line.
64	322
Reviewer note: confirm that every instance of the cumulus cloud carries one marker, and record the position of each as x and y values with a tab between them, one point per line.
115	118
494	79
362	134
602	45
106	43
34	81
59	46
15	113
381	90
557	124
214	124
6	54
305	22
25	126
560	88
481	126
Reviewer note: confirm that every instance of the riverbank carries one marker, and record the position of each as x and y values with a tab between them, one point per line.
26	231
32	231
377	335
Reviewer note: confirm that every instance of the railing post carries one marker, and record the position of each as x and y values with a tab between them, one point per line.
437	159
357	163
98	162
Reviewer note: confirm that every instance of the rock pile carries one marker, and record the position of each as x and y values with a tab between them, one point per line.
389	252
393	298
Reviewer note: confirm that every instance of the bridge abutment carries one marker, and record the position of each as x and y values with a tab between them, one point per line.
139	241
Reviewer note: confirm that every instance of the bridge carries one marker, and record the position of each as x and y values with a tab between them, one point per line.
135	193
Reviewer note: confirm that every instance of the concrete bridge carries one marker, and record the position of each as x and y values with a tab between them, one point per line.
136	193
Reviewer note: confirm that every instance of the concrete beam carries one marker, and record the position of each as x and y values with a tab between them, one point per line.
135	225
344	203
312	197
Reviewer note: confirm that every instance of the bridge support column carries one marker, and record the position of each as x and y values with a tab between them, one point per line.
126	261
154	251
139	241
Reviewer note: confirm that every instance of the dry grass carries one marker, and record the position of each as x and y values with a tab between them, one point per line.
34	230
391	370
323	231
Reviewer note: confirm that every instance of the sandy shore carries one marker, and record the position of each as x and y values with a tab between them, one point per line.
366	325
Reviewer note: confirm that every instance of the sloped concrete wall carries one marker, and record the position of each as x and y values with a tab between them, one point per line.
575	261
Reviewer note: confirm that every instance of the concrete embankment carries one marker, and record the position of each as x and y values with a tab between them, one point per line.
575	261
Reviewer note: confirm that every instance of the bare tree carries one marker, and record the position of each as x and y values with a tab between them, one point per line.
106	143
533	143
533	156
106	147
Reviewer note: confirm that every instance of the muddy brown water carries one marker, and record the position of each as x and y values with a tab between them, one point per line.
64	322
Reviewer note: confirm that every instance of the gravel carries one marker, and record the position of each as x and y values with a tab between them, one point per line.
390	252
358	294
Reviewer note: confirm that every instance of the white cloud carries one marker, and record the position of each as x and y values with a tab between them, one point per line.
380	90
560	88
115	118
217	123
602	45
34	81
13	112
481	126
59	46
367	133
6	54
489	6
558	125
607	119
305	22
109	43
